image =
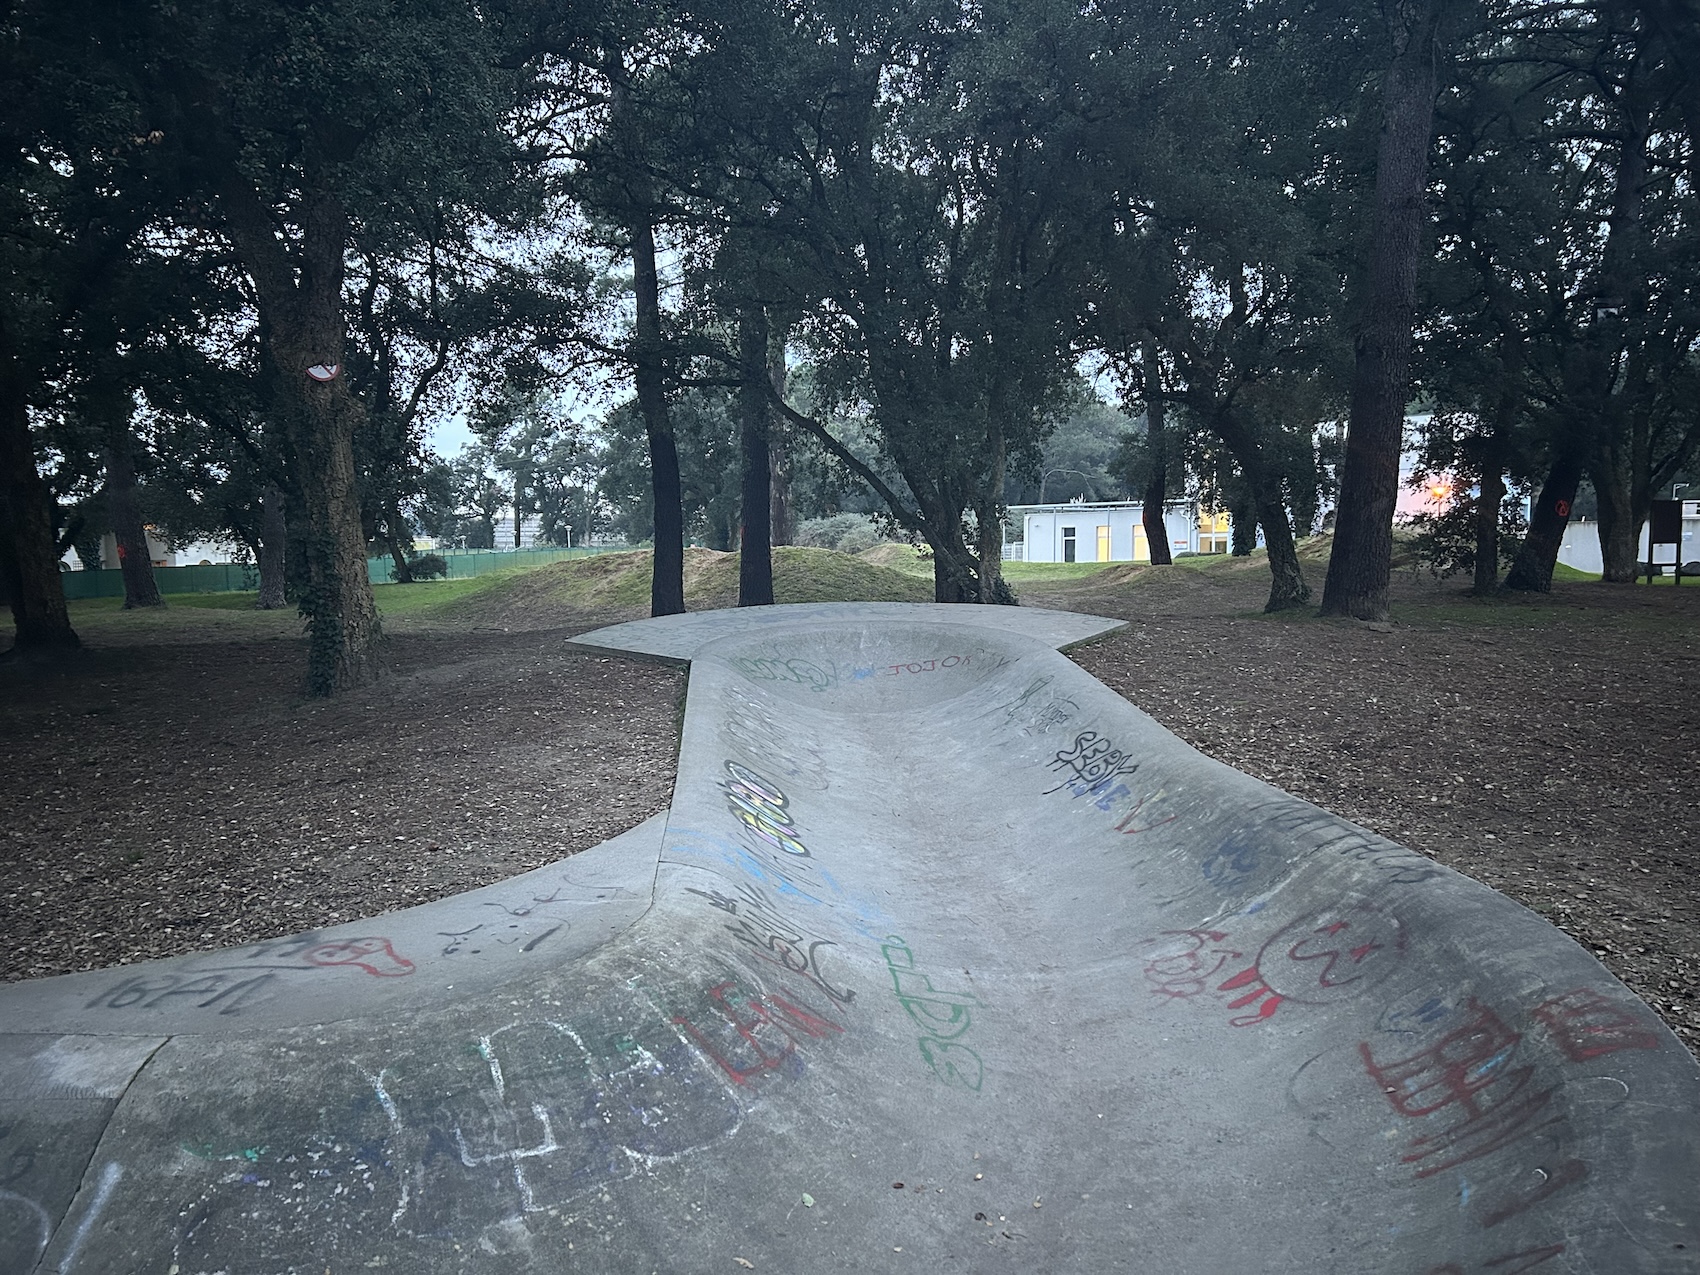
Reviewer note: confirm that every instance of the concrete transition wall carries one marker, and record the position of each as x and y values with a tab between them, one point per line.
945	958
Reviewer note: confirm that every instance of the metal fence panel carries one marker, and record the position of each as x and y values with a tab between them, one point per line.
233	577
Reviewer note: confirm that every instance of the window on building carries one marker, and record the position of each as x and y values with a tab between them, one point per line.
1141	546
1215	535
1103	544
1068	544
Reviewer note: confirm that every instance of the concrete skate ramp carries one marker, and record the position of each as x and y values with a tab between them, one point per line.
945	958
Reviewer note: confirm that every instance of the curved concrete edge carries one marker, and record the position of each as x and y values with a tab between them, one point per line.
955	959
408	958
676	639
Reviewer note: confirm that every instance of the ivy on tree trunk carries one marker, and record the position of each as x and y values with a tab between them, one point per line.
300	301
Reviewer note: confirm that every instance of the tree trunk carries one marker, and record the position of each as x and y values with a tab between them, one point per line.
1532	570
667	586
1157	444
398	555
300	305
27	557
1620	530
1243	520
274	551
1361	566
128	530
1287	587
1262	491
755	554
783	529
988	514
1487	525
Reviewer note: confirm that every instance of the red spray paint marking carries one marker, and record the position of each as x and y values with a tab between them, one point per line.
374	955
1468	1072
1586	1025
748	1014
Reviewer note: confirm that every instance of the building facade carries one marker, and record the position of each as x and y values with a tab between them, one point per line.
1112	531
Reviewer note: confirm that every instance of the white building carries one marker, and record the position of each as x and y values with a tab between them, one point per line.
1113	531
1581	546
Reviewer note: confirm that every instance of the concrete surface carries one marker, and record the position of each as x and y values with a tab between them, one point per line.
945	958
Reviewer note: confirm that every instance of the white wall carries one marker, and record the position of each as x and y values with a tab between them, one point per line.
1044	540
1581	546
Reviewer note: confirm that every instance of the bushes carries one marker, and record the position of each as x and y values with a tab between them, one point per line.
847	533
427	566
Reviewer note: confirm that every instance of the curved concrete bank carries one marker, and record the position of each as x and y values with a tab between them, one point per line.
946	958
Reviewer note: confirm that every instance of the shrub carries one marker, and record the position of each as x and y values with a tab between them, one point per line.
427	566
847	533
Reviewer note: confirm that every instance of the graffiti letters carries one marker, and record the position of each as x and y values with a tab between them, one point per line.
928	666
772	938
800	672
229	992
1092	767
1317	832
768	1026
1466	1089
943	1016
1040	709
762	808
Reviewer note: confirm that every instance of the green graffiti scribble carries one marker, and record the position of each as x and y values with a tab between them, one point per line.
942	1015
204	1151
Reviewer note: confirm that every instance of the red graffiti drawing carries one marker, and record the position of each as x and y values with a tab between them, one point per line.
1467	1073
1332	953
1322	957
374	955
1181	963
1123	825
1586	1025
756	1019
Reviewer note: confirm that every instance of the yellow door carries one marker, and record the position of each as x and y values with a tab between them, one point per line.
1141	546
1103	544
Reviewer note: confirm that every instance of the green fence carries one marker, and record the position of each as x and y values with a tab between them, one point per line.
232	577
477	562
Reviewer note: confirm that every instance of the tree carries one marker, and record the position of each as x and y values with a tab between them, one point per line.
295	129
1360	567
78	172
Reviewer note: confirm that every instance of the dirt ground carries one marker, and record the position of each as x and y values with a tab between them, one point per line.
168	789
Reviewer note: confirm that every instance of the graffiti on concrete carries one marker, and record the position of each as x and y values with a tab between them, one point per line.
1324	956
768	1028
800	672
943	1016
1585	1025
1312	831
762	808
1468	1091
1091	767
772	937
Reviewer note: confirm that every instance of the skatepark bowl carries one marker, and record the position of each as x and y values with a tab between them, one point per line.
945	958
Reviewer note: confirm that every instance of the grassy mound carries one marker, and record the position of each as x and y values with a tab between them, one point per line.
610	583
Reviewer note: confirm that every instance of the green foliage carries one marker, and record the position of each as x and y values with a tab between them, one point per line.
847	533
429	566
1445	542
